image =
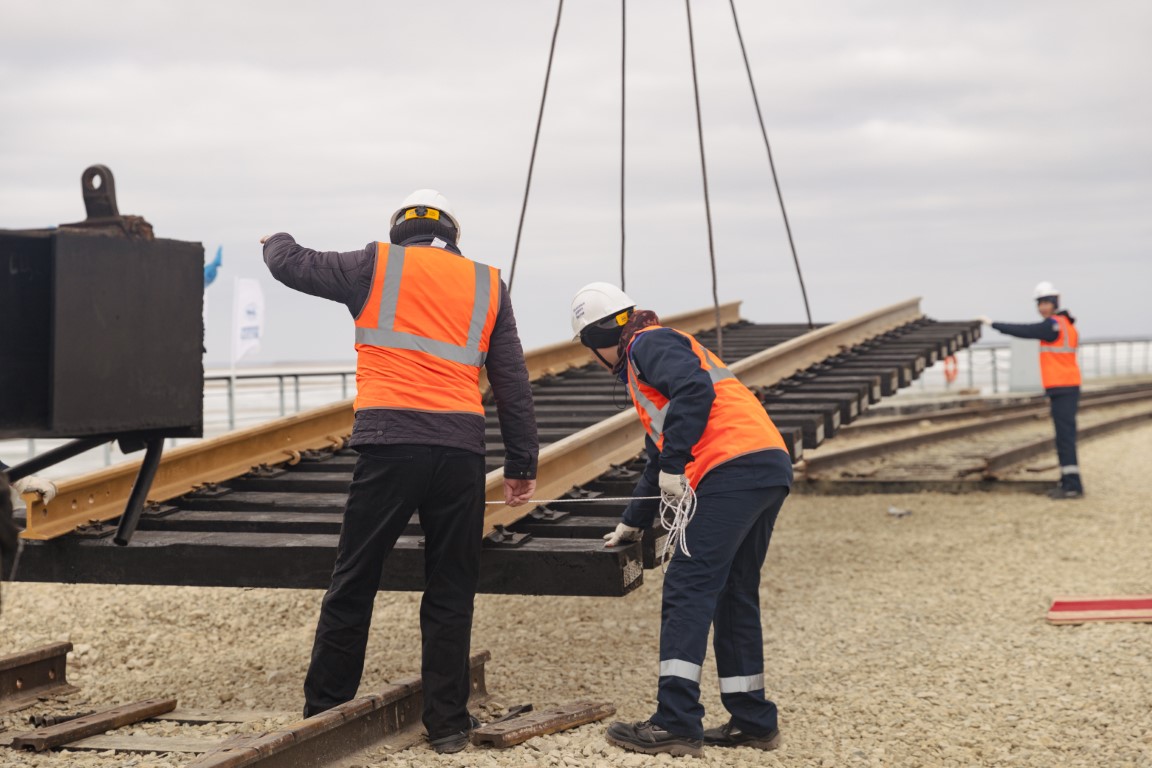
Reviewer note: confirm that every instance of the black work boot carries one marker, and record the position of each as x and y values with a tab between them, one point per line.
454	742
730	735
1070	488
652	740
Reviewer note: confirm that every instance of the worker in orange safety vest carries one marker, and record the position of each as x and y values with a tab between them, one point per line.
1060	376
722	471
427	320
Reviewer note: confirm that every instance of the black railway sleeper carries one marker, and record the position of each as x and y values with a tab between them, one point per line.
847	402
828	412
295	561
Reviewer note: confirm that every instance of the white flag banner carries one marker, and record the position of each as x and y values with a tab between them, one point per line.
247	317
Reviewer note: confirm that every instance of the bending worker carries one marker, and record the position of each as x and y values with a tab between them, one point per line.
708	437
427	320
1060	375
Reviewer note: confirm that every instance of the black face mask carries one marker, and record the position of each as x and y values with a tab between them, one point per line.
598	337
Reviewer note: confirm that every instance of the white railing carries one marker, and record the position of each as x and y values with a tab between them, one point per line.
986	367
256	396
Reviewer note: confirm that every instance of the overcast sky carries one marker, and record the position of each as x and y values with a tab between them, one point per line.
959	151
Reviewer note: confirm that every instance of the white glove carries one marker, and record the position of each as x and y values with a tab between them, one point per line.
36	484
674	486
624	534
985	319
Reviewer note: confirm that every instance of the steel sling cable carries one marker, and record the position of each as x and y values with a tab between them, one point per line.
704	173
771	163
535	143
623	60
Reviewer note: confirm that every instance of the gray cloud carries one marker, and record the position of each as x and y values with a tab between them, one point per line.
960	151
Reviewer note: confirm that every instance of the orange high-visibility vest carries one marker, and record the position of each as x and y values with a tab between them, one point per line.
423	334
1058	366
737	424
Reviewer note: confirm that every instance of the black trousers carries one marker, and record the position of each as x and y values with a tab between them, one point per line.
390	483
1063	403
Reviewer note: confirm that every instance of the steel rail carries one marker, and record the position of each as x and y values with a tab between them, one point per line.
1001	460
100	496
29	676
583	456
988	420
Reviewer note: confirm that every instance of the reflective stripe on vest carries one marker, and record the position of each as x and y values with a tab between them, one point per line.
737	424
655	413
1058	366
384	336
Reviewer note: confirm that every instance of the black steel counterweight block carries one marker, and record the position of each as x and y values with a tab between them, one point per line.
102	327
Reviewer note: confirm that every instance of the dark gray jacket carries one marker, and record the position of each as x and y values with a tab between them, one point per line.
347	278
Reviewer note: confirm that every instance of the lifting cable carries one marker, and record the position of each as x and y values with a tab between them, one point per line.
704	173
535	143
771	164
623	61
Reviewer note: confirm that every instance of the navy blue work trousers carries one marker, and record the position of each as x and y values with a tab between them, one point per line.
389	484
719	584
1064	402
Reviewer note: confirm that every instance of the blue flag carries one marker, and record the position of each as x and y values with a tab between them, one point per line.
210	269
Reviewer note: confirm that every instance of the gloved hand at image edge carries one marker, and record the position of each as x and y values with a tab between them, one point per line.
35	484
624	534
674	486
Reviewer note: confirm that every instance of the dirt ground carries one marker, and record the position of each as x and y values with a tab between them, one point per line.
890	641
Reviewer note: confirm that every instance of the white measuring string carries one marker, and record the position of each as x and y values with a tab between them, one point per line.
541	502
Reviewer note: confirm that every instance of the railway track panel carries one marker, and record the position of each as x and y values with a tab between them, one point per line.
1008	448
277	526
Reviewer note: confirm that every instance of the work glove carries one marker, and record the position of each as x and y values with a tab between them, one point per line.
36	484
673	486
624	534
985	319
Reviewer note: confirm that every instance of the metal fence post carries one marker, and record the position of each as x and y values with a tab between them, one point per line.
231	403
296	384
995	374
971	373
283	405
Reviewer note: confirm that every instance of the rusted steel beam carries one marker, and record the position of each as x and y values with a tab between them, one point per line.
90	725
519	729
341	731
30	675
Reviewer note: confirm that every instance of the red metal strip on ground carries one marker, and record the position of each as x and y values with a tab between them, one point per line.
1111	604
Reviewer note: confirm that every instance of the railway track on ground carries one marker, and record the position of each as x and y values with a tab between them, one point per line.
1007	447
262	507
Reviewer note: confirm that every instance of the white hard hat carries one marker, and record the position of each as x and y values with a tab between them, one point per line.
599	301
434	206
1045	289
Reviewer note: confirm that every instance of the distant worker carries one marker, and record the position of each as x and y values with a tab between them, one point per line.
1060	375
708	437
427	320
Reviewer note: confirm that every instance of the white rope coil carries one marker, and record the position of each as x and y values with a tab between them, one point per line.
681	512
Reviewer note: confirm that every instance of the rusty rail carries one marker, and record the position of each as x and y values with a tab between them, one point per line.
341	731
27	676
90	725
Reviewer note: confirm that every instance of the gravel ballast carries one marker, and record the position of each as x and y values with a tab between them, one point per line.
890	641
